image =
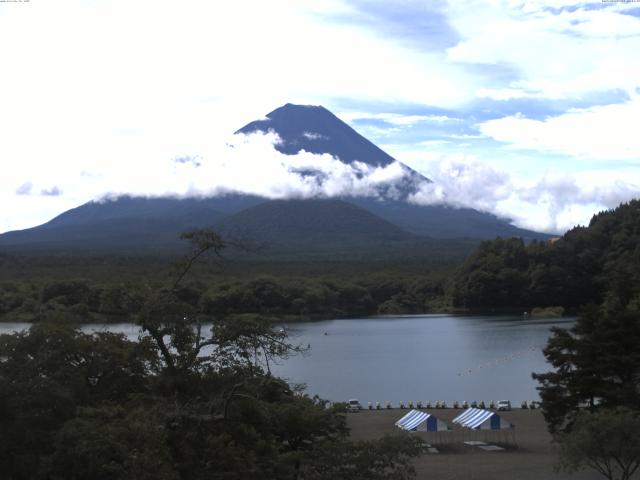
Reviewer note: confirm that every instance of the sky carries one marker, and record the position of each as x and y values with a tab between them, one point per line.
525	109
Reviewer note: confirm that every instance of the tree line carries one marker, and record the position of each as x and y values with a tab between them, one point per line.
290	297
588	265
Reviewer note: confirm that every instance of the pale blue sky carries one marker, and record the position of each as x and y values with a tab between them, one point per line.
527	109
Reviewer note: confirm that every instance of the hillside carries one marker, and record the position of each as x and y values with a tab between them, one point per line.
331	229
595	264
442	221
285	220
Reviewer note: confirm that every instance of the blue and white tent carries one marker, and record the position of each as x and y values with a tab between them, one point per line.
417	421
479	419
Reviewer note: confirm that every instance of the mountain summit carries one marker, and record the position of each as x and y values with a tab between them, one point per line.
315	129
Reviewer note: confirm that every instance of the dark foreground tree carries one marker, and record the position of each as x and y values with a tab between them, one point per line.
48	373
597	363
192	399
606	441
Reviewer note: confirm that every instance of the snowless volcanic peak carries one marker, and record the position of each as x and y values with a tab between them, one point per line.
317	130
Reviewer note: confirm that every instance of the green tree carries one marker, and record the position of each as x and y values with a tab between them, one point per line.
606	441
111	443
47	373
493	276
597	362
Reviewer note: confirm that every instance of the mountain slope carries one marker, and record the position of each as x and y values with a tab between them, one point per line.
130	224
135	224
315	129
309	220
331	228
442	221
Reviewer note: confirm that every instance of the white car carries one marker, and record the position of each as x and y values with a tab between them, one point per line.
353	405
504	405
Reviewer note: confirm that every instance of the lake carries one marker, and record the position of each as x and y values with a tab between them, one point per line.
410	357
422	357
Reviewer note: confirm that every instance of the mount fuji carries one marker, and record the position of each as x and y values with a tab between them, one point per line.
381	221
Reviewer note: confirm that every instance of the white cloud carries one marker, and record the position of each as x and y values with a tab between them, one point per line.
433	143
396	118
51	192
234	167
461	180
248	164
314	136
464	136
557	202
24	189
604	132
377	132
553	54
553	202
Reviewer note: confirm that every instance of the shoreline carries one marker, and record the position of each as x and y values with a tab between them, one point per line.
290	318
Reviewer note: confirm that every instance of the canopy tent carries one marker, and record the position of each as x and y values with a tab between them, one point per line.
418	421
479	419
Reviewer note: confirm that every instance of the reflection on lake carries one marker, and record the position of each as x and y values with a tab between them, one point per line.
403	358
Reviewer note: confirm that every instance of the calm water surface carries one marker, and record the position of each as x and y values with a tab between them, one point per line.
417	357
423	357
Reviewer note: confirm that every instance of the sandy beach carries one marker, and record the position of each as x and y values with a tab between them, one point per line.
531	457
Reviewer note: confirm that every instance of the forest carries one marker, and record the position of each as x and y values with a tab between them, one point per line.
588	265
107	289
596	264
